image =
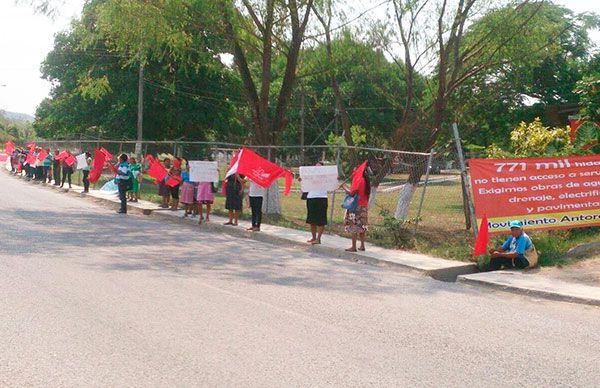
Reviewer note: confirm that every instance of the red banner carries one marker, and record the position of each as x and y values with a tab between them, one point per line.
544	193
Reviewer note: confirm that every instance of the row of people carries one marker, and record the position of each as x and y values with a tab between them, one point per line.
197	196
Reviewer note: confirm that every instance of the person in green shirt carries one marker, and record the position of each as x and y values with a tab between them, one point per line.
136	171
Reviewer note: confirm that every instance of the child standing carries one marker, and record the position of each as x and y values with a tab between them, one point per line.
187	189
136	171
205	197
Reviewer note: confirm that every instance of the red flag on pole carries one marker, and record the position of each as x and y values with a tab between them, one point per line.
174	181
70	160
10	147
42	155
98	166
61	155
259	170
157	171
483	238
107	155
358	176
30	160
113	168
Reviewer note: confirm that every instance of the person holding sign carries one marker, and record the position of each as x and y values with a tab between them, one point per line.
316	211
517	251
357	206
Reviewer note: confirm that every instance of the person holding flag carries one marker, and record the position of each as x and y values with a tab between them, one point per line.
356	219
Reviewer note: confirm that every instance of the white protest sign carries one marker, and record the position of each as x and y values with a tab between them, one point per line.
81	161
204	171
318	178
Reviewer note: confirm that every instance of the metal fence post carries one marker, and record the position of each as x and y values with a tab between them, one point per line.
337	163
465	179
429	162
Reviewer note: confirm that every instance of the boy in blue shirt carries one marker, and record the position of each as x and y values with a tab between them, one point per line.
512	253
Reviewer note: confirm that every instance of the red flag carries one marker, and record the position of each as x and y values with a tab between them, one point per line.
42	155
174	181
259	170
3	158
70	160
30	160
62	155
31	146
107	155
98	165
358	176
10	147
157	171
483	238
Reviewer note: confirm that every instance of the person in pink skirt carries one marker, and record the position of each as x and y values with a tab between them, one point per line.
206	196
187	190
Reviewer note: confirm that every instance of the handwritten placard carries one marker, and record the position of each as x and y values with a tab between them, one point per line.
81	161
318	178
204	171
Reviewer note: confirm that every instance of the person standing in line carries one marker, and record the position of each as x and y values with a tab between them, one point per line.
255	198
316	212
234	193
175	172
67	171
356	221
123	181
187	189
56	168
136	171
163	190
39	166
47	166
205	197
132	195
86	172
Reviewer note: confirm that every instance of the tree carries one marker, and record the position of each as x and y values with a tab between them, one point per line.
95	91
469	38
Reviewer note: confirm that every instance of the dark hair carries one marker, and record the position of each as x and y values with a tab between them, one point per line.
123	157
367	183
88	155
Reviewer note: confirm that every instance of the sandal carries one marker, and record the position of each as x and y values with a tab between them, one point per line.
361	249
228	223
350	249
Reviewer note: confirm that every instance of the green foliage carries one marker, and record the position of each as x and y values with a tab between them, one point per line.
398	229
535	140
589	90
538	68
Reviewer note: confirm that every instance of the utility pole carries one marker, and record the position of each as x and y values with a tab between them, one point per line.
302	154
140	112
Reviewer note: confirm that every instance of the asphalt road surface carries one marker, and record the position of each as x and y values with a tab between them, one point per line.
92	298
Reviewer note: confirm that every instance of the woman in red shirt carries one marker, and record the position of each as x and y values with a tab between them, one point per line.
356	221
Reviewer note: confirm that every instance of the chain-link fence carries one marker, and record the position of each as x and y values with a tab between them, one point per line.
423	190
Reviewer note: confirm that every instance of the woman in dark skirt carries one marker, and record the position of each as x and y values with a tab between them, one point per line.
233	198
316	214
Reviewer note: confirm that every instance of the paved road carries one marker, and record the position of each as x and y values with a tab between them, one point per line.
91	298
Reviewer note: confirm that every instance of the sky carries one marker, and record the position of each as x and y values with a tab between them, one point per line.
26	38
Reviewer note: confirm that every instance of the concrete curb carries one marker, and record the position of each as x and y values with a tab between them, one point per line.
522	290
